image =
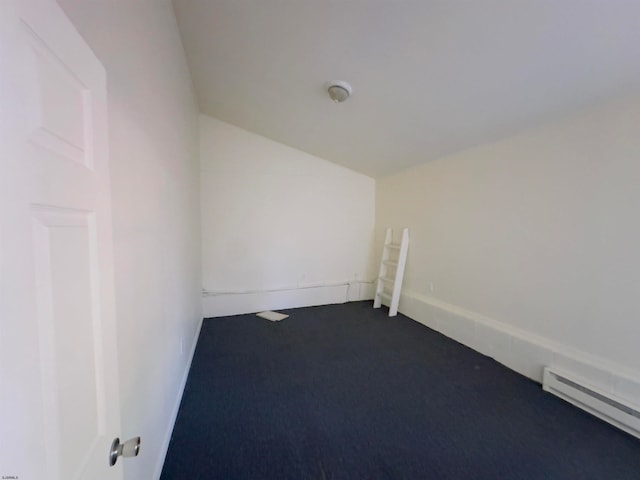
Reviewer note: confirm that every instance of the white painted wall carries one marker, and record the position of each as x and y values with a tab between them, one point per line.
156	212
276	218
532	246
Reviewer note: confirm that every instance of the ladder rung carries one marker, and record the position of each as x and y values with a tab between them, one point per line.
390	263
388	279
394	246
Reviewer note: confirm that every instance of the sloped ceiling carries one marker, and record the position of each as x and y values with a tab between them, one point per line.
430	77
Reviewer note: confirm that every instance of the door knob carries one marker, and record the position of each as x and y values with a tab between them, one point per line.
130	448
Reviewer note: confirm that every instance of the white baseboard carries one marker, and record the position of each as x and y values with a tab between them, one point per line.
223	304
522	351
176	407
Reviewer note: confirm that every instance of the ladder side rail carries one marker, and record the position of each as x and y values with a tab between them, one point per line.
397	285
377	302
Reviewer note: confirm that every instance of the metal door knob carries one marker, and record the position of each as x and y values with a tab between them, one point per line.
130	448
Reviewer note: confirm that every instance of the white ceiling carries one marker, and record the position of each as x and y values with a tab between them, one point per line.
430	77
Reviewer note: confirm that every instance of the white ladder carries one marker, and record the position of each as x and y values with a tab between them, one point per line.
394	257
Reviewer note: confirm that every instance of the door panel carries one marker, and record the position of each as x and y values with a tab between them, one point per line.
59	399
71	364
62	130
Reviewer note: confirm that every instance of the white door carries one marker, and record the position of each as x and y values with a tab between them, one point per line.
59	407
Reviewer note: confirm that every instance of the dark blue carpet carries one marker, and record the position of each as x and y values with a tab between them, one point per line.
344	392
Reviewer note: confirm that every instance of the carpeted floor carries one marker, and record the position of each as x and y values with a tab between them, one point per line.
344	392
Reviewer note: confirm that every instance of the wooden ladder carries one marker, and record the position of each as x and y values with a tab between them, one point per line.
394	257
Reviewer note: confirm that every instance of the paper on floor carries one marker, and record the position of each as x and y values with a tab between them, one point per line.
273	316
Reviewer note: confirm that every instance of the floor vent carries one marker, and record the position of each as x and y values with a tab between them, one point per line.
615	411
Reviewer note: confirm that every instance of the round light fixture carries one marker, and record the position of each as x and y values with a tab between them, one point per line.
339	91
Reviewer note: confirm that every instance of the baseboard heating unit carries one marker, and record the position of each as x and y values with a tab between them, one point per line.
615	411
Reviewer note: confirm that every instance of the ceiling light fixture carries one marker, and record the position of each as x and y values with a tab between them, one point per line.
339	91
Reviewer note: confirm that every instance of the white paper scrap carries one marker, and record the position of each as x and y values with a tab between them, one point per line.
273	316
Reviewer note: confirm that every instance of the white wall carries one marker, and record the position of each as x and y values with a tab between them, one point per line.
532	246
276	218
154	173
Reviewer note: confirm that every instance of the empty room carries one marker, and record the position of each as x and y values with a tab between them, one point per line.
319	239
